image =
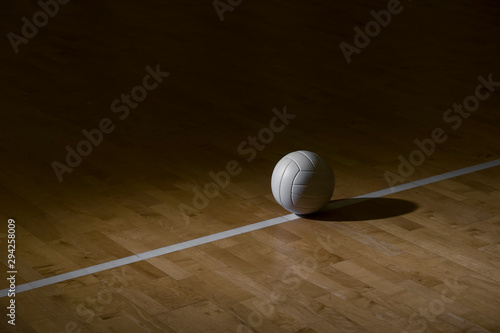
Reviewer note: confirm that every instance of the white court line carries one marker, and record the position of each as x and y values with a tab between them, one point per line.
238	231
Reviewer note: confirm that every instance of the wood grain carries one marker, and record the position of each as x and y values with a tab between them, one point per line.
377	266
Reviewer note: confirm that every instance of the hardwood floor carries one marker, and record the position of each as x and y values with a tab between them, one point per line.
424	259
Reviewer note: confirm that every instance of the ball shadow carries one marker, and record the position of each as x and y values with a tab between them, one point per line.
362	209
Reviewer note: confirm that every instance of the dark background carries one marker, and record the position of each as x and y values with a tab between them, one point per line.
226	77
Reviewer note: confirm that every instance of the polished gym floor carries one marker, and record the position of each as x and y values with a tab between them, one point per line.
134	127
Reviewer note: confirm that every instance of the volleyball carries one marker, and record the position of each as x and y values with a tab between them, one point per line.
302	182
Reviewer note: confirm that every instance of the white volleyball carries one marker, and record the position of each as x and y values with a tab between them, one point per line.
302	182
